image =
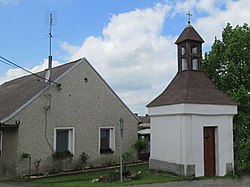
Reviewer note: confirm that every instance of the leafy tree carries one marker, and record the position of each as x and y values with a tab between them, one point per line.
228	66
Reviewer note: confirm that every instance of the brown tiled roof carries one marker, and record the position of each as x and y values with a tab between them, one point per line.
17	92
189	33
191	87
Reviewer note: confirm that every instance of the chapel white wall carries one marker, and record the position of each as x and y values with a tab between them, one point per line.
177	134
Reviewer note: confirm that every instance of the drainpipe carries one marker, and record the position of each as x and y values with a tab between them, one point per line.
46	109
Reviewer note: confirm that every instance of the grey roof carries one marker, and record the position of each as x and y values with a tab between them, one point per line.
17	92
144	119
191	87
189	33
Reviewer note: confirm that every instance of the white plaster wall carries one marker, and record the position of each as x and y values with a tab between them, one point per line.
165	139
177	134
223	142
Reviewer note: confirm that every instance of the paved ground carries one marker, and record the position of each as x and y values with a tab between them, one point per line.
243	182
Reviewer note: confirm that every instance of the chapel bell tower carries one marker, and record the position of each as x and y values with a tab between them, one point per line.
191	120
189	47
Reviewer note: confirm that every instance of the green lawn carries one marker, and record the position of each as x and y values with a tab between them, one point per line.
84	179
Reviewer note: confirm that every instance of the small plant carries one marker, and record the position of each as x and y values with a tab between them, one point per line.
83	159
25	155
60	156
125	158
109	162
114	176
37	164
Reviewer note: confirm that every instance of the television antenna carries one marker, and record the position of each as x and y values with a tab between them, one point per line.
48	73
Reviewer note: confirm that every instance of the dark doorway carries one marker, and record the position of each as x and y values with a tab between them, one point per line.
209	151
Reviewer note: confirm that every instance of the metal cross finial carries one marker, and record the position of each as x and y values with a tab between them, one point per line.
189	16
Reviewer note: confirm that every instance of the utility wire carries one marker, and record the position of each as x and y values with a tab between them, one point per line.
10	63
7	63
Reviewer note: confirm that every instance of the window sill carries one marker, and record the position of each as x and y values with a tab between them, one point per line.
107	152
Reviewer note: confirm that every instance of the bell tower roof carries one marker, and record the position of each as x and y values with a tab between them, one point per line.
189	45
190	85
189	33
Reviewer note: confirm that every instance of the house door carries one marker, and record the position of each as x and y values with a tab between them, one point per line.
209	151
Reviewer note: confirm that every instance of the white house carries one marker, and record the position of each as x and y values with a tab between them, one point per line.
192	120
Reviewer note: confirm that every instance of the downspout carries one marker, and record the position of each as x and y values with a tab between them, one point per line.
46	109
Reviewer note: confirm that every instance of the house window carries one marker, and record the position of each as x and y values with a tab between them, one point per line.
64	139
107	140
1	143
195	64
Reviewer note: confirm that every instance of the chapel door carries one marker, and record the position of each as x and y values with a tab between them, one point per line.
209	151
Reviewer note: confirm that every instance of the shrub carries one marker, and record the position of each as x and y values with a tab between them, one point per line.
140	144
60	156
37	165
83	159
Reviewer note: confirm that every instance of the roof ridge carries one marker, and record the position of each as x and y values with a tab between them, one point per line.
40	72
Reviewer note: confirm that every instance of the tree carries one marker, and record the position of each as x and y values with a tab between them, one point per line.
228	66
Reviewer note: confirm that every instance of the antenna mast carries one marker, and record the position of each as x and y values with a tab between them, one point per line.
50	37
48	74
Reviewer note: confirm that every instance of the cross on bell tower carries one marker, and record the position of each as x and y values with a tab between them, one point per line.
189	16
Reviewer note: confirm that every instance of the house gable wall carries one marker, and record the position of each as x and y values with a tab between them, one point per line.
84	102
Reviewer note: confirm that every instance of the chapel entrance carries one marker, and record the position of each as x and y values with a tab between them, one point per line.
209	151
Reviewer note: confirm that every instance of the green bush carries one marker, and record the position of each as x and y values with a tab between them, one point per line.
140	145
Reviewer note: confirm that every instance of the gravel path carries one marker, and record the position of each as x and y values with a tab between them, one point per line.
243	182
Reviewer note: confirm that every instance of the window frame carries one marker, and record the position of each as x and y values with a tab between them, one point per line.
71	138
111	139
1	143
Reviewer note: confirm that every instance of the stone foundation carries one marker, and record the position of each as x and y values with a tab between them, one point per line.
174	168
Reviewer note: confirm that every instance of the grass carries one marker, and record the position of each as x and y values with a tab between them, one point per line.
84	179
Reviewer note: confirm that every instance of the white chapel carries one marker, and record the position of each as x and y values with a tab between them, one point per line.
192	120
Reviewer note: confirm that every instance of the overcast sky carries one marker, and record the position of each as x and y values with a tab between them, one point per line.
129	42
